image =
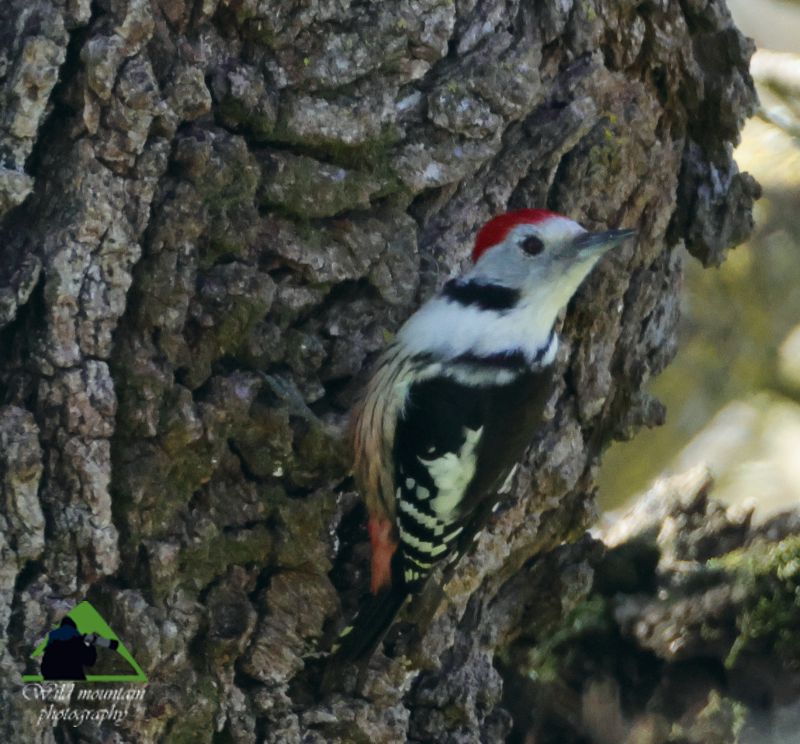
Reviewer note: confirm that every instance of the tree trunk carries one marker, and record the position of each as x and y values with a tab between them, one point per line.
215	214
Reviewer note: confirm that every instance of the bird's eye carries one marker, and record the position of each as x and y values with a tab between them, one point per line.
532	245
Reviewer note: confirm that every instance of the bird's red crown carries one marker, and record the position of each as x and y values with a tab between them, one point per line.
496	229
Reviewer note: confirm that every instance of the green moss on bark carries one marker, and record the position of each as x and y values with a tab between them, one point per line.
768	574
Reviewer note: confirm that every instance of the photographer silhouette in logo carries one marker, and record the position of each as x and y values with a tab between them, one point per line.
68	652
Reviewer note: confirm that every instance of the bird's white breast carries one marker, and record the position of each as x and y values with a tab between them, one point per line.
447	330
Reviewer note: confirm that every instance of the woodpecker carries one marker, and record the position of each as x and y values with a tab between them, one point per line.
456	398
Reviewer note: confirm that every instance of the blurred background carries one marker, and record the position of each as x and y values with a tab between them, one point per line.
733	391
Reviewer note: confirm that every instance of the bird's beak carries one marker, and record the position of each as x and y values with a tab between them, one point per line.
590	245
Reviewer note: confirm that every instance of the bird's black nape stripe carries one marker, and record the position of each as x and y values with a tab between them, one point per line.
514	361
485	296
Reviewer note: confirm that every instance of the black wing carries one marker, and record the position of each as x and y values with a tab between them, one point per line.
454	444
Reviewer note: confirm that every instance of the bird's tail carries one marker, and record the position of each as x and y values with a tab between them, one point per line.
358	640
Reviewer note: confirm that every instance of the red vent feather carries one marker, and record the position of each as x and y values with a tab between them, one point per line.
496	229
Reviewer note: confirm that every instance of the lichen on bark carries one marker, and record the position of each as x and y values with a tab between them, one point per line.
215	215
690	602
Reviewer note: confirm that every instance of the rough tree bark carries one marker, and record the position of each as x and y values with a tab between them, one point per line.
215	214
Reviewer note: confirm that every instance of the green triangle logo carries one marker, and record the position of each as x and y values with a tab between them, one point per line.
87	621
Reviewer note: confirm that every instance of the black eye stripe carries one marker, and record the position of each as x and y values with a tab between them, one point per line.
532	245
